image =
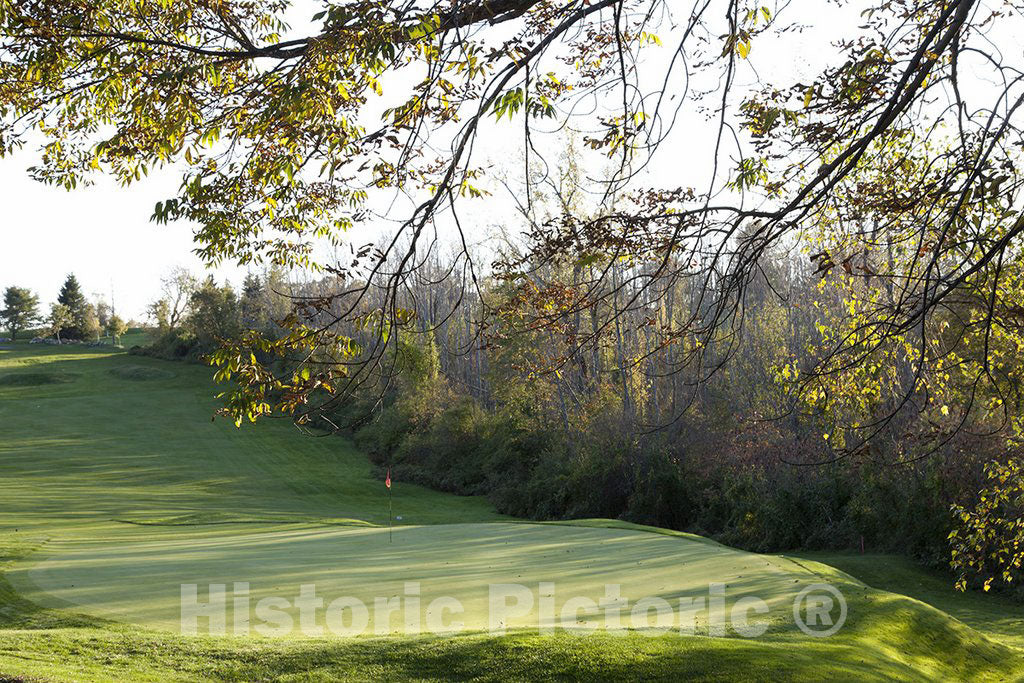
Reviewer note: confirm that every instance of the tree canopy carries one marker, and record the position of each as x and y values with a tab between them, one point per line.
893	167
116	327
20	311
60	319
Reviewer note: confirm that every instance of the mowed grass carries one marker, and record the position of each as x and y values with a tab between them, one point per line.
459	560
990	613
109	446
117	487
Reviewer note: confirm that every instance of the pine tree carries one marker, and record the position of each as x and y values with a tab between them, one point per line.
72	297
251	303
21	310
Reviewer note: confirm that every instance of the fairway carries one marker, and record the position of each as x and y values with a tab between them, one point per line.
118	488
101	447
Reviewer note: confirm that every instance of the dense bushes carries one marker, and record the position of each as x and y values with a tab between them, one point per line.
735	487
177	344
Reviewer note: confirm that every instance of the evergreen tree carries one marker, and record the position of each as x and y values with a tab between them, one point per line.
71	296
251	303
21	310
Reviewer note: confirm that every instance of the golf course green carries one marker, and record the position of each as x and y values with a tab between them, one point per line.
118	488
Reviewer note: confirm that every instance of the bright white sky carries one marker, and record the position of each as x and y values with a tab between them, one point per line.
103	233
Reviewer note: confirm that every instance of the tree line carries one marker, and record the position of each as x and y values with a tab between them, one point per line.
192	315
606	413
499	386
71	317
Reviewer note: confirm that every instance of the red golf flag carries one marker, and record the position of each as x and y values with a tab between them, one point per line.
387	480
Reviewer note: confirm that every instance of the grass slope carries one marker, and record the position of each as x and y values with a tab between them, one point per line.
117	487
989	613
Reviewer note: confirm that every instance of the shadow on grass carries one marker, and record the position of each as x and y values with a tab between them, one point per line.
515	657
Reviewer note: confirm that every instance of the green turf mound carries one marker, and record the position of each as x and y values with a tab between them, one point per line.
887	636
35	379
458	560
141	373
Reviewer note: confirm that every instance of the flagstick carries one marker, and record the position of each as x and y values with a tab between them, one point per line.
389	514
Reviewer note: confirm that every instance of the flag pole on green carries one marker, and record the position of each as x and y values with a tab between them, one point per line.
387	482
